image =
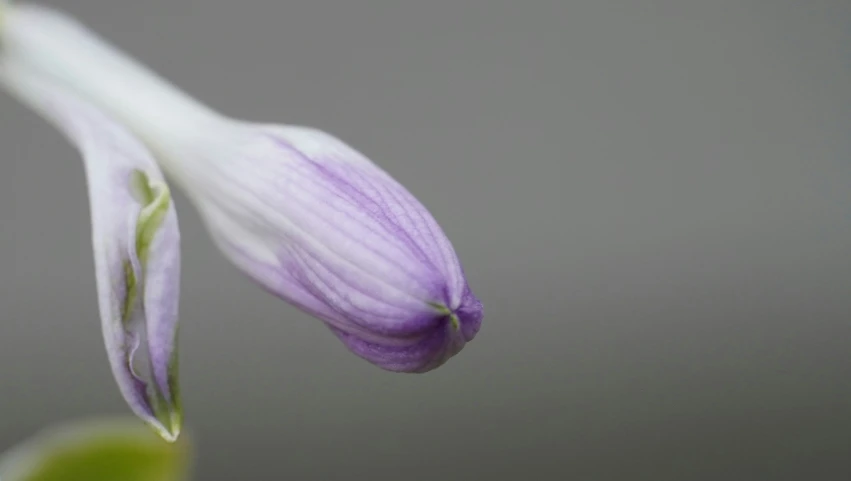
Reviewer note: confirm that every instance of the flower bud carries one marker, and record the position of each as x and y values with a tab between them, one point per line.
320	225
307	216
136	244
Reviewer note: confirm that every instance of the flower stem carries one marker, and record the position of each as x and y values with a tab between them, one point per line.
53	45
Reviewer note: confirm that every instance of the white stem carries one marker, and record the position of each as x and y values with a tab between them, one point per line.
57	46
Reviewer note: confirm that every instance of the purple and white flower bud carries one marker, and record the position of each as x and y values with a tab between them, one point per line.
136	244
320	225
308	217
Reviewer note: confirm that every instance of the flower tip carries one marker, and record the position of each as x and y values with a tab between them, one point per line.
470	315
169	433
467	317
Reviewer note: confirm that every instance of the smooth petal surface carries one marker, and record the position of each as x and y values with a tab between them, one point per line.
323	227
136	248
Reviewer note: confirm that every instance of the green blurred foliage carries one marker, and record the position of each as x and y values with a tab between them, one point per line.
97	450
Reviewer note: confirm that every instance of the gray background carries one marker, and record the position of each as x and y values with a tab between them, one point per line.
651	198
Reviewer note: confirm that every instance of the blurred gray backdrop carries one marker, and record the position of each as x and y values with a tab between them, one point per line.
652	198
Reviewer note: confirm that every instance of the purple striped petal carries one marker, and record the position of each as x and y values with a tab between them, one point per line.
136	244
321	226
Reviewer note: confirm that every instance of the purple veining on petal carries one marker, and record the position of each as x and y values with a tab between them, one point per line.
336	236
310	222
336	292
304	173
341	180
282	283
423	355
358	194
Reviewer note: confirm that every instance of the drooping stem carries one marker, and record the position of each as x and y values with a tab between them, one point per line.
53	45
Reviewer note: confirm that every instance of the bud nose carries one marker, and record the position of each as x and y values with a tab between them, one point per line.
470	314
